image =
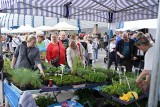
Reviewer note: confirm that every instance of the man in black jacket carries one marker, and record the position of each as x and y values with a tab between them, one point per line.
126	51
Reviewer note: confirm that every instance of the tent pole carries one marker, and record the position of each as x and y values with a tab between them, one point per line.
109	28
2	97
155	75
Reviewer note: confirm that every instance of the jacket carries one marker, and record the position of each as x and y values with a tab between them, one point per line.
132	47
26	100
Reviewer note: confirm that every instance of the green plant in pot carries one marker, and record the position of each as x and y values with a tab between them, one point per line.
26	78
8	71
85	95
77	63
95	77
44	101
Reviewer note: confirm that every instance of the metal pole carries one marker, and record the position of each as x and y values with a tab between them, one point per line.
155	75
109	27
2	97
0	39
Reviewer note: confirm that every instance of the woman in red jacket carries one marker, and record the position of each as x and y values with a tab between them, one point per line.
55	51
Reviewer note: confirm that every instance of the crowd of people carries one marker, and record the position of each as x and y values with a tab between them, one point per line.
30	50
130	50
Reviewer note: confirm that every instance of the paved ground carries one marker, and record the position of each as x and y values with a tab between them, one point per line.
68	94
100	62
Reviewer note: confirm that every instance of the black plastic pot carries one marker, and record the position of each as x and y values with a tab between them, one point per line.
99	99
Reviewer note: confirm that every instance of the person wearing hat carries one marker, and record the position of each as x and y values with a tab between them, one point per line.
41	44
144	44
112	53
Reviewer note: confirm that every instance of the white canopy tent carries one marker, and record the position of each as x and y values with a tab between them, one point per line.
4	30
23	29
140	24
65	26
45	28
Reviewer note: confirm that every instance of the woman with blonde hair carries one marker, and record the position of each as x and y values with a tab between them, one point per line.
55	51
74	50
27	55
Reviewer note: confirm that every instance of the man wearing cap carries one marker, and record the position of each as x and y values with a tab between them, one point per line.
41	44
145	45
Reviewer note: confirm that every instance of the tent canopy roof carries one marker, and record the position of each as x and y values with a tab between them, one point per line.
92	10
65	26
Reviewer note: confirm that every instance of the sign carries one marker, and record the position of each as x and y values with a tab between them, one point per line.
120	25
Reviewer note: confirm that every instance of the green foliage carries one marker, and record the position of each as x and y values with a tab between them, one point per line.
44	101
7	66
77	63
67	80
51	69
131	75
111	103
118	89
85	95
95	77
26	77
111	75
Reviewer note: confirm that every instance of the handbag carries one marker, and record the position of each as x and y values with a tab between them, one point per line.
34	68
55	61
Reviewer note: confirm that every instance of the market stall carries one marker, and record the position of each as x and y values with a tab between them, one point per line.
107	82
105	11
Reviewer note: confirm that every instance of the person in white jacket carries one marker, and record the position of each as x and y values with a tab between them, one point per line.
74	50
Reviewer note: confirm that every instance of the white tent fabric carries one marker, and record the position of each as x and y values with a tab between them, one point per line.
92	10
24	29
65	26
135	25
4	30
45	28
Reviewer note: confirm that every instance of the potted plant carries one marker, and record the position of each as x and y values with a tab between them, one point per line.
26	79
86	96
77	63
44	101
7	70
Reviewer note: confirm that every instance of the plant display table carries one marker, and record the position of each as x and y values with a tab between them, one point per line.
110	84
114	98
12	93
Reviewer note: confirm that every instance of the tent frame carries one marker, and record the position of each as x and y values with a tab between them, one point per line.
155	77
